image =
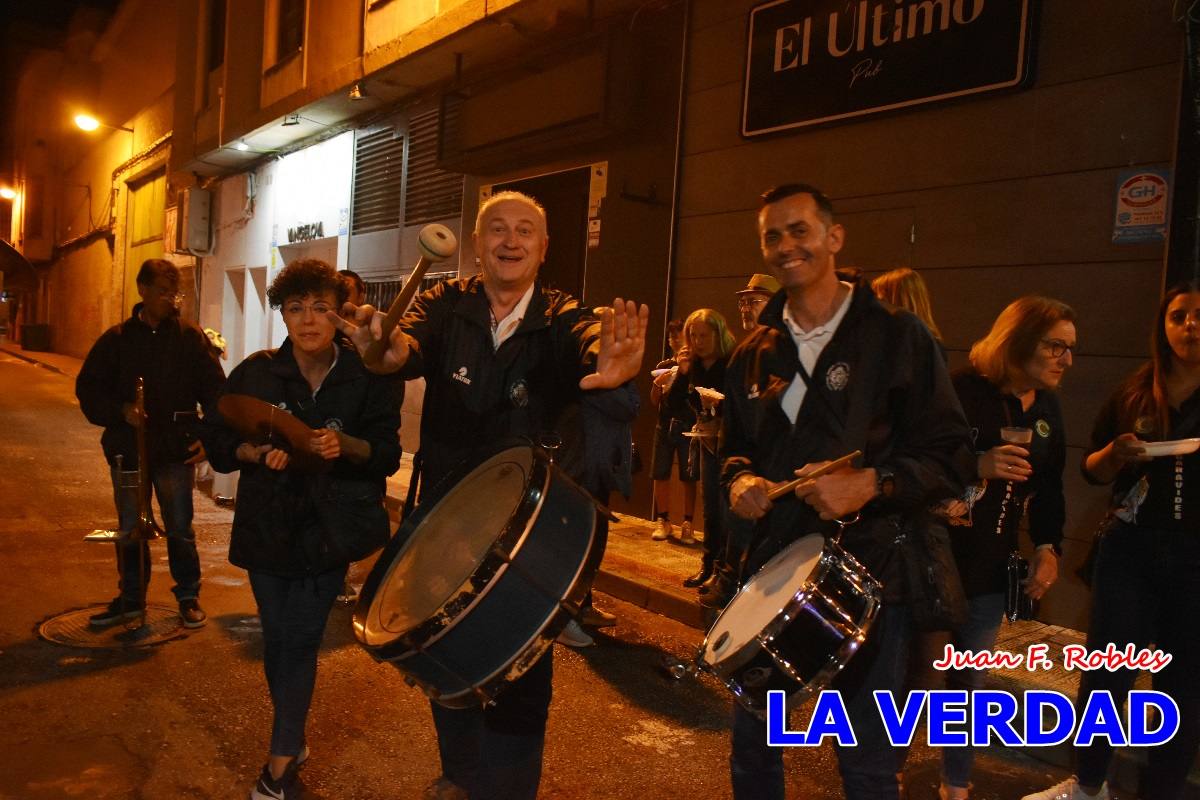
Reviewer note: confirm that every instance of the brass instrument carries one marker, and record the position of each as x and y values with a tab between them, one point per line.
144	529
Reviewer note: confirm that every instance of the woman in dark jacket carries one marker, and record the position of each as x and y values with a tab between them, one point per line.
1147	572
303	516
699	382
1008	397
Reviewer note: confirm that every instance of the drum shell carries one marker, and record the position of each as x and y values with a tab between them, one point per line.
509	611
810	640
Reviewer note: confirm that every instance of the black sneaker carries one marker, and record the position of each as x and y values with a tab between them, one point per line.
268	788
191	613
119	610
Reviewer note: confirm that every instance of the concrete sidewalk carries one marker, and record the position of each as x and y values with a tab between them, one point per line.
650	574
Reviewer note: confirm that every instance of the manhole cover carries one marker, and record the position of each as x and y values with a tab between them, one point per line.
71	628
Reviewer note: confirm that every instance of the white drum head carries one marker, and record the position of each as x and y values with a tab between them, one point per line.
448	545
762	598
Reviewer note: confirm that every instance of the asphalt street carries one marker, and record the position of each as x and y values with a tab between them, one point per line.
190	718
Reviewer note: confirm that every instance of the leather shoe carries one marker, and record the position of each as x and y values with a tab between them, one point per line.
191	612
700	577
718	591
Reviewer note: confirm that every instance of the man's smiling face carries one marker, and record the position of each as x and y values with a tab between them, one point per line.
798	242
511	243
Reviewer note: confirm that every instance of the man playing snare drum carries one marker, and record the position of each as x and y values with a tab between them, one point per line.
502	356
830	370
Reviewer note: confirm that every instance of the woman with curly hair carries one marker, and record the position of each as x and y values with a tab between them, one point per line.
297	527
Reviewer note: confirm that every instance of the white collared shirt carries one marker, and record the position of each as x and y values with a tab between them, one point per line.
503	329
809	345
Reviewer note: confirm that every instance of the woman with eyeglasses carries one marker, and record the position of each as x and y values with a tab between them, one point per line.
1008	395
303	516
1146	577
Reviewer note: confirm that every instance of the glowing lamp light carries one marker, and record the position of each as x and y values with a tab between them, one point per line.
7	193
86	122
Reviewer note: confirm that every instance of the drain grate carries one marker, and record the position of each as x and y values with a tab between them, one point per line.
71	628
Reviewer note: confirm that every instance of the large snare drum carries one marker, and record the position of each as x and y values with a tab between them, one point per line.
794	625
475	587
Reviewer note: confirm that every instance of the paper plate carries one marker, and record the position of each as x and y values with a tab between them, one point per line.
1174	447
654	373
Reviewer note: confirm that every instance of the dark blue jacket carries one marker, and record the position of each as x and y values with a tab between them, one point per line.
294	523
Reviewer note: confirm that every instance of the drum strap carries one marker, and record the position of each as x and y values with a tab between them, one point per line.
410	499
855	426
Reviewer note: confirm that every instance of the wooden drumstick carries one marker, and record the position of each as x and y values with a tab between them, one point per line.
784	489
436	243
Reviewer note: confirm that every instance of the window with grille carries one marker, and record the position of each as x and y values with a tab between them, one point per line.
378	181
381	293
432	193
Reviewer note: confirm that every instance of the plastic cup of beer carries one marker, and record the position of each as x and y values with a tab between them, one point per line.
1016	435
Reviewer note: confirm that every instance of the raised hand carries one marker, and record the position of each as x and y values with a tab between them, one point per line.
622	345
365	327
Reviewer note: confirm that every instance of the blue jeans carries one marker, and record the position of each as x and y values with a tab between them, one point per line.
984	614
293	612
495	753
868	770
173	488
1147	590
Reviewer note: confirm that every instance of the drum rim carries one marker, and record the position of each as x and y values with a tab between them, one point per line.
831	552
490	568
745	652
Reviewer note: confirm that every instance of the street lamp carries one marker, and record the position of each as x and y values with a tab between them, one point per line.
89	123
8	193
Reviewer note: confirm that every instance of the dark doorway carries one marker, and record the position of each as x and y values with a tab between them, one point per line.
564	195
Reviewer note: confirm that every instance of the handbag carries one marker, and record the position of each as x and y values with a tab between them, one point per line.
935	591
1017	604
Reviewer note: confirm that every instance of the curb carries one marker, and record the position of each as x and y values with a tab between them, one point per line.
35	361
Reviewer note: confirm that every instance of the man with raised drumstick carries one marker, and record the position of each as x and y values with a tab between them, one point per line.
830	370
502	356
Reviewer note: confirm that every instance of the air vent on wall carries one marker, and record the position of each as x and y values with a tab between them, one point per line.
432	193
378	181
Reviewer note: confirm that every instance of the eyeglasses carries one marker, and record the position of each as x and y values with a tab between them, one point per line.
173	294
298	309
745	303
1057	347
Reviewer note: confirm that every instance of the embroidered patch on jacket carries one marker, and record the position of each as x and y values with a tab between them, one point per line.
1143	425
1042	427
461	376
518	393
333	424
837	376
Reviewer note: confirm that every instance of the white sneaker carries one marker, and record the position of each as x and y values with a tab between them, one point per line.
685	533
662	532
1069	790
575	636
